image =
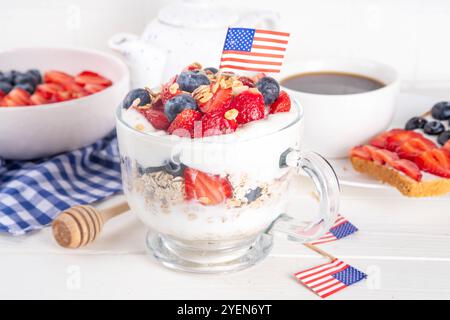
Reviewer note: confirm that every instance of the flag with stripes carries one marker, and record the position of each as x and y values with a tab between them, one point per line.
254	50
329	278
340	229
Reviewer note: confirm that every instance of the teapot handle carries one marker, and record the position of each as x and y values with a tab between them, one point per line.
260	19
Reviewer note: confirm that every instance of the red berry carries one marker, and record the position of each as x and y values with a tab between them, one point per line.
409	168
246	81
63	96
206	188
57	77
38	98
282	104
380	140
94	88
447	146
156	117
93	78
170	90
48	90
360	152
398	137
435	161
218	123
250	106
17	97
219	102
414	147
185	123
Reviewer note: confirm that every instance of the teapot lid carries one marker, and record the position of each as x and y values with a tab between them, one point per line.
197	14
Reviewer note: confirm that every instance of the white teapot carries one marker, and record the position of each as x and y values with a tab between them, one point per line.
186	31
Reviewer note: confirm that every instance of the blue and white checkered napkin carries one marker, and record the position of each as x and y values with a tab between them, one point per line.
32	193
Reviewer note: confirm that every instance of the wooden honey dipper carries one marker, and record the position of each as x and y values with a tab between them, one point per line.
80	225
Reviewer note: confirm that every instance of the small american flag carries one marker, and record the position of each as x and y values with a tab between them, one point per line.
329	278
254	50
341	228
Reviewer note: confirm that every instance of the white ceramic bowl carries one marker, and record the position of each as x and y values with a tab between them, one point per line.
336	123
45	130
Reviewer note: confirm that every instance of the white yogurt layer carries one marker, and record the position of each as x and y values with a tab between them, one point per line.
254	148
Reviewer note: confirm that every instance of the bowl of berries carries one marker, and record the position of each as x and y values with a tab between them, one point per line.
54	100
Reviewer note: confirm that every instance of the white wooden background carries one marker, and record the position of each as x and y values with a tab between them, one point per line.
403	244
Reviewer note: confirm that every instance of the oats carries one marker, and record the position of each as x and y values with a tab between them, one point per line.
139	127
174	88
202	94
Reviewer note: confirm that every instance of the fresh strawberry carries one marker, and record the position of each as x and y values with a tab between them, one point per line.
409	168
435	161
395	139
282	104
57	77
170	90
193	67
61	96
246	81
94	88
219	102
384	156
360	152
72	87
380	140
250	106
48	90
157	104
156	117
414	147
18	97
206	188
218	123
89	77
38	98
185	123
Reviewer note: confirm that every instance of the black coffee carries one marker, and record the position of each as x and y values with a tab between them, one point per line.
331	83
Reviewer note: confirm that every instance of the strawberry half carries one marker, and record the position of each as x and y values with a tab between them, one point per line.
184	123
409	168
218	123
414	147
447	146
360	152
89	77
38	98
250	106
17	97
435	161
395	139
48	90
170	90
282	104
57	77
380	140
206	188
156	117
384	156
219	102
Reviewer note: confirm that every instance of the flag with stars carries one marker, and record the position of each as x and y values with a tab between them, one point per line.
329	278
341	229
254	50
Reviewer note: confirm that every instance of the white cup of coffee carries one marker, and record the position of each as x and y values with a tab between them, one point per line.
346	101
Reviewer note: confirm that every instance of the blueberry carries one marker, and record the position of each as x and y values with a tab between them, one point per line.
434	128
253	194
24	78
26	86
269	88
191	80
36	75
441	110
142	94
10	75
5	87
211	70
415	123
177	104
444	137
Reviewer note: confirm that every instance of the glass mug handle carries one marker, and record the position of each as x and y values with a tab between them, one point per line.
327	185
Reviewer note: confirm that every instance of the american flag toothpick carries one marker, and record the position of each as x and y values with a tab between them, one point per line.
341	229
254	50
329	278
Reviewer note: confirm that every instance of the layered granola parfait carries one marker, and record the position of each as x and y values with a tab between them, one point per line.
206	163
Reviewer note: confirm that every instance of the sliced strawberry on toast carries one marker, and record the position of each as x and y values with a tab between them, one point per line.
360	152
414	147
435	161
397	138
409	168
206	188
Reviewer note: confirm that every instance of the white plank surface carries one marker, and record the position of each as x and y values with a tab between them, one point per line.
403	244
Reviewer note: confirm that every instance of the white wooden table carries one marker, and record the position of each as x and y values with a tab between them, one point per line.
403	244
